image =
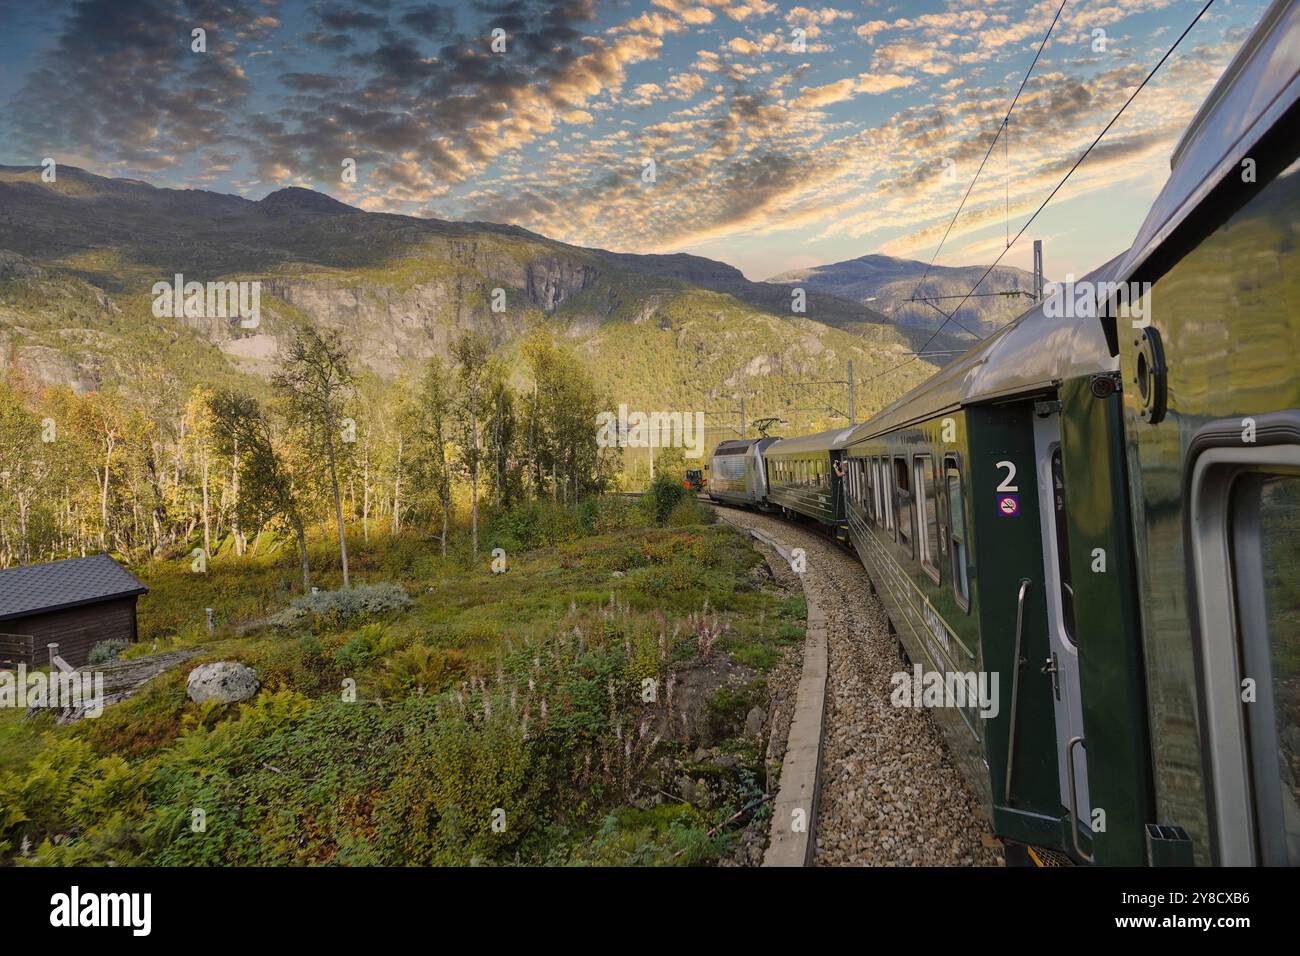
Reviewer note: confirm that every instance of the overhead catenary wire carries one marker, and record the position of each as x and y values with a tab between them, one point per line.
1057	188
993	145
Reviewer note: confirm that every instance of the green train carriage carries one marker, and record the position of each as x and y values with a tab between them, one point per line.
1211	401
957	506
804	477
1107	509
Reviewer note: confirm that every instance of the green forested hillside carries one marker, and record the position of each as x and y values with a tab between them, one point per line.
108	431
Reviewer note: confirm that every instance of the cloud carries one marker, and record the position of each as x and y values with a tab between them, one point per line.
551	133
804	16
846	89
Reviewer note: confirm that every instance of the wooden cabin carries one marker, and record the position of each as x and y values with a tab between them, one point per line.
74	603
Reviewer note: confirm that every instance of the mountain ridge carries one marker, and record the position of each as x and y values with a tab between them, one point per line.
661	330
889	283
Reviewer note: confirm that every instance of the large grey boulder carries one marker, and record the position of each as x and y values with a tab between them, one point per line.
223	681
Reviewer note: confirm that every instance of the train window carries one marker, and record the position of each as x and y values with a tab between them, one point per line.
957	533
1063	544
927	518
903	504
878	490
1265	527
1242	525
884	501
868	488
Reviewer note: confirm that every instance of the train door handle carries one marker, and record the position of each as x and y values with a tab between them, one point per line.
1050	666
1017	660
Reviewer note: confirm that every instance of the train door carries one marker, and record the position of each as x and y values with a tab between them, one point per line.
1062	664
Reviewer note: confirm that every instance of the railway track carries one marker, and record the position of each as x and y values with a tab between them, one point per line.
889	792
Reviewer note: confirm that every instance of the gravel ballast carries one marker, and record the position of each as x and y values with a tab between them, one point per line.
890	793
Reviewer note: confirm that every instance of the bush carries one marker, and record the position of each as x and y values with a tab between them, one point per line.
106	651
533	524
421	666
370	643
689	512
662	497
343	608
613	513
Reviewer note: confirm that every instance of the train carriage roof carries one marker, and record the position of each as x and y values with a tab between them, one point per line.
739	446
818	442
1260	84
1031	353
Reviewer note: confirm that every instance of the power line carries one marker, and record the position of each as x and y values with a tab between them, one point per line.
1003	126
1113	120
950	317
973	295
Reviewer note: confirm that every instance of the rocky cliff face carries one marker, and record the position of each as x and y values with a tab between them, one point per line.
85	252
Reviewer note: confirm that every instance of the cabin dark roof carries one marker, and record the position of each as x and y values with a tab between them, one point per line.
40	588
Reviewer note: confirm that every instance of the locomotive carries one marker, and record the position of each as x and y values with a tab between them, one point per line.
1103	508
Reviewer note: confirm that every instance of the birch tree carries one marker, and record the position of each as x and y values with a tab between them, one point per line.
315	380
268	488
471	354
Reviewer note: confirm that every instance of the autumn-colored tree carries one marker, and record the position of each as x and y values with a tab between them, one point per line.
315	380
430	413
267	484
471	352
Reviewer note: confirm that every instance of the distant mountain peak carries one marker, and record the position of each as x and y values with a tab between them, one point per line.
888	283
298	199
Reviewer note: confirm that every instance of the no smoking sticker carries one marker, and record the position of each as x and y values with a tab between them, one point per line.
1009	505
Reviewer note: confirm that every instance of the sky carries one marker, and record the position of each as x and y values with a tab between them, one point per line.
782	135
